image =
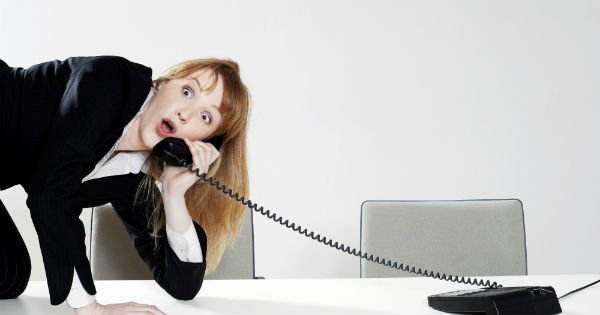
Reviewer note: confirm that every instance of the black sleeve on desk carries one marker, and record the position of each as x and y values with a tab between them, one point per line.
89	109
182	280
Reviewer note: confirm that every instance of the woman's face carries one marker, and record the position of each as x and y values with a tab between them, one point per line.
191	111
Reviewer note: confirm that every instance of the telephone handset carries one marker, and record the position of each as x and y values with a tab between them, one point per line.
175	152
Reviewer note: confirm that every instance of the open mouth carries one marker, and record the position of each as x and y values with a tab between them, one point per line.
166	128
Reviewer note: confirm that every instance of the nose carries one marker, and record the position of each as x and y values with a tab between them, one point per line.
183	115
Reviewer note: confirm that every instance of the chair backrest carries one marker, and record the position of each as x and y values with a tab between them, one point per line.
238	261
453	237
113	256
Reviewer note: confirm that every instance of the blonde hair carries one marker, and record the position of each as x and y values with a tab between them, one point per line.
217	213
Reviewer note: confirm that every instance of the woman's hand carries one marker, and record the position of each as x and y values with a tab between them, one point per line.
121	308
177	179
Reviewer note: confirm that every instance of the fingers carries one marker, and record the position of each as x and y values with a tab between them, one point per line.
194	150
206	145
131	308
203	153
137	308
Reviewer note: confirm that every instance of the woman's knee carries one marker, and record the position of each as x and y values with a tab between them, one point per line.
15	263
15	266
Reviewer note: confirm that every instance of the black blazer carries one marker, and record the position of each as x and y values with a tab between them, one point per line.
59	118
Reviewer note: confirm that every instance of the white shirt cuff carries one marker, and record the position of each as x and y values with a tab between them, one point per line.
187	245
78	296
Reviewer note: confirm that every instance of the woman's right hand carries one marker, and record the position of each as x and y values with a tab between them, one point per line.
96	308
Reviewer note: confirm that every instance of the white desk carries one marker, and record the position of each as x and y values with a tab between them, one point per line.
303	296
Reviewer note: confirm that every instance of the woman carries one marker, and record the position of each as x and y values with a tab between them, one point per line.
81	131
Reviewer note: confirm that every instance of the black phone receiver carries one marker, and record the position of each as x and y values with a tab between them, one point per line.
175	152
216	141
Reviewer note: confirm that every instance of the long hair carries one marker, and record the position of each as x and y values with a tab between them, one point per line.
218	214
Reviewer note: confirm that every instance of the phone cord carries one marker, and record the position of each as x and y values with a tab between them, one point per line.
341	247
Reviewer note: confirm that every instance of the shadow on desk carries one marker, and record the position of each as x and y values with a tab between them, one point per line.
254	306
33	305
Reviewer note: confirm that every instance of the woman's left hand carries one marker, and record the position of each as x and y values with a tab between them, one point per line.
176	179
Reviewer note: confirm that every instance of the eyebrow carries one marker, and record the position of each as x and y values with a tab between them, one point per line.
215	108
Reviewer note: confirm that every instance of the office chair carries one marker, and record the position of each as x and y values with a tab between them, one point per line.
113	256
456	237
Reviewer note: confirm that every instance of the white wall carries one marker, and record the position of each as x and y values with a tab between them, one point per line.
374	100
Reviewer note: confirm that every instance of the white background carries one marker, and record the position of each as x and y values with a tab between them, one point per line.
358	100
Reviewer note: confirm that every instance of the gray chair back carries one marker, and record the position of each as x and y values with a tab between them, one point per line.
113	256
455	237
238	261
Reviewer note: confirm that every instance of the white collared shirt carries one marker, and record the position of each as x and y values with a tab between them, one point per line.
186	246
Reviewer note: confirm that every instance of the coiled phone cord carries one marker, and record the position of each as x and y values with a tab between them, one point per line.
341	247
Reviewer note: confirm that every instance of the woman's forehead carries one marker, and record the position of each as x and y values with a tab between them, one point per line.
204	76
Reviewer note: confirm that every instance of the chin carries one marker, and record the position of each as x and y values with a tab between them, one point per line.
148	144
151	144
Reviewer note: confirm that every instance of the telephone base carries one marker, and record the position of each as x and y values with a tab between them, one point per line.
498	301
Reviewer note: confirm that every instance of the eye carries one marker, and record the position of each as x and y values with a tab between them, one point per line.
189	90
208	116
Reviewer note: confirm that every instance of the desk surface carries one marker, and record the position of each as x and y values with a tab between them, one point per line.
303	296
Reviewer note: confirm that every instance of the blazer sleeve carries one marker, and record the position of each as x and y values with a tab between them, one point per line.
89	109
181	279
